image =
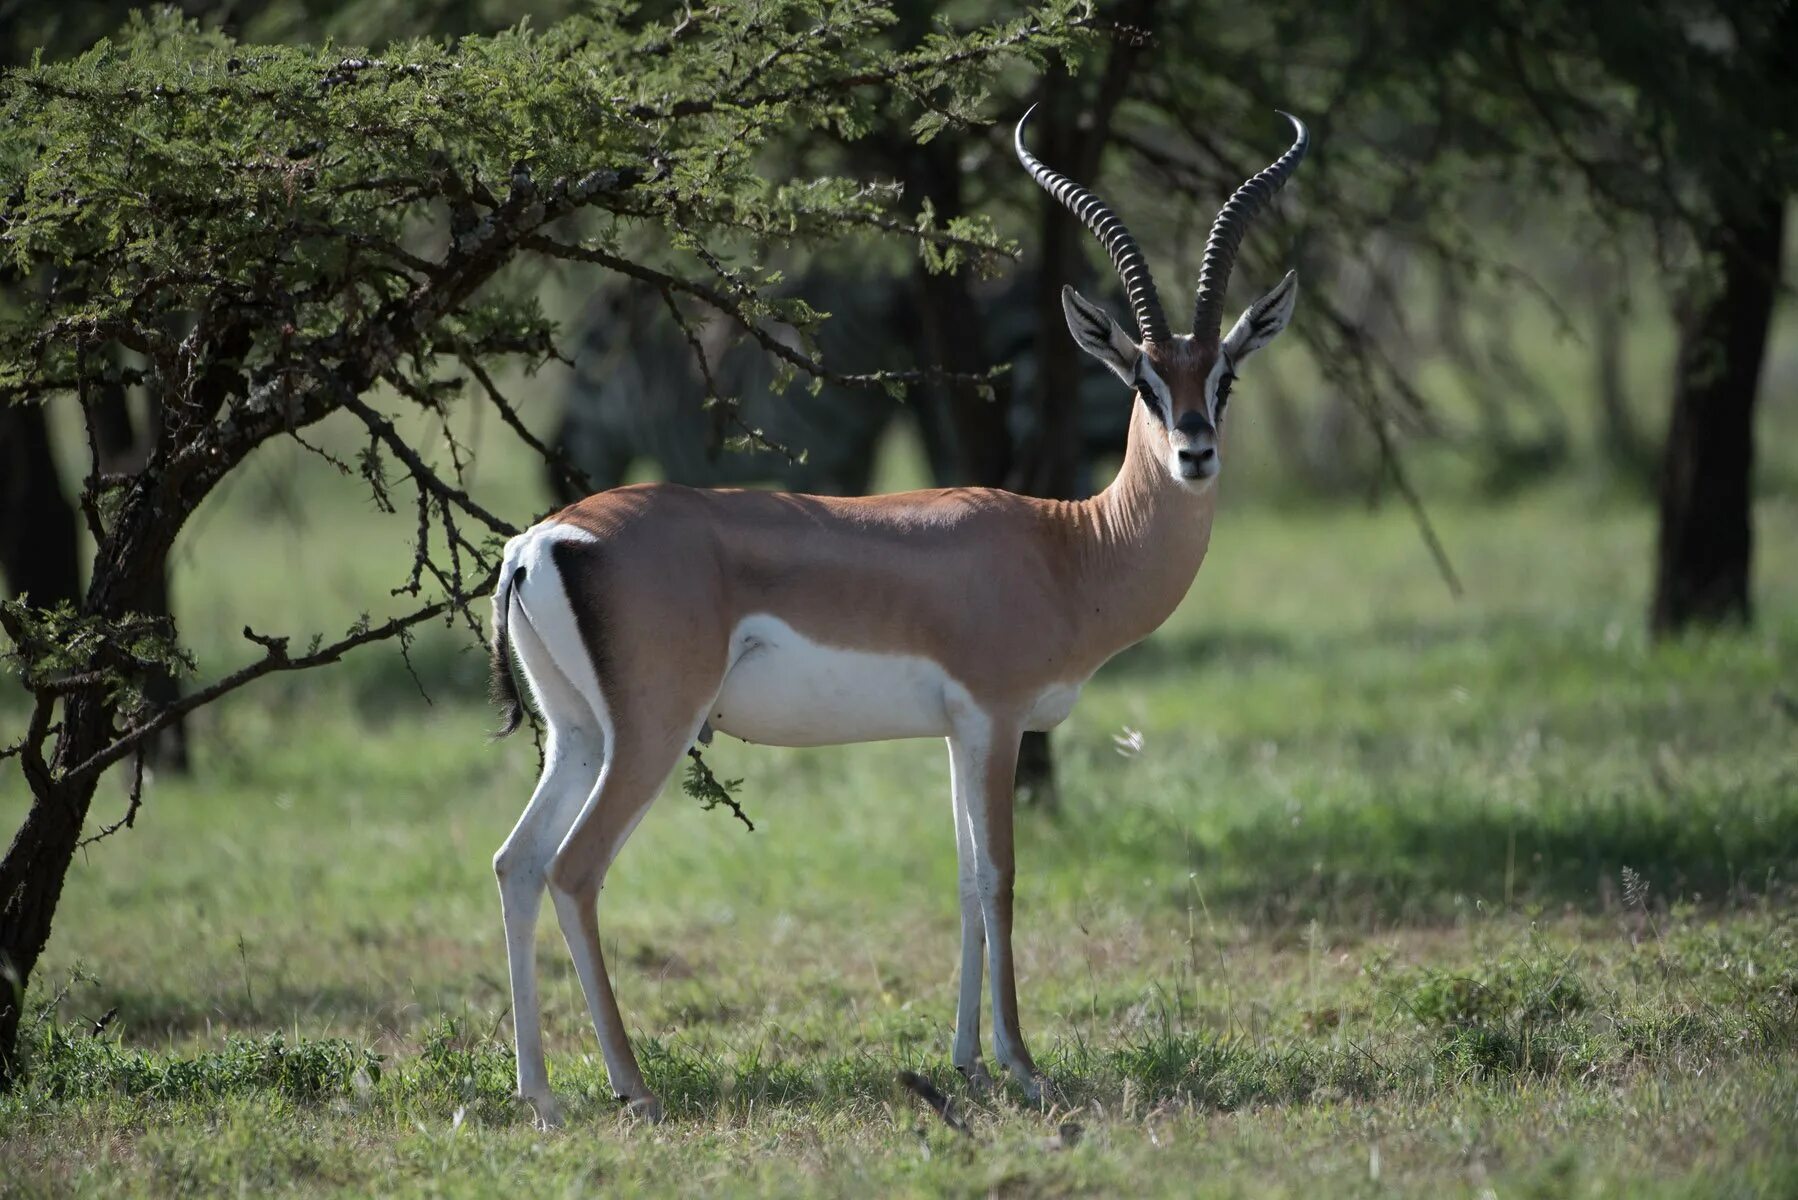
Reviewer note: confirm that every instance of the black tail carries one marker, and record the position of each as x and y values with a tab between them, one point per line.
499	657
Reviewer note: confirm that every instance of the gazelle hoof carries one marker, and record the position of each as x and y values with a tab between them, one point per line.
644	1108
545	1112
1044	1092
1039	1089
979	1082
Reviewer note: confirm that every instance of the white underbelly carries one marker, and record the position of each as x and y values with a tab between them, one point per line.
1052	707
785	690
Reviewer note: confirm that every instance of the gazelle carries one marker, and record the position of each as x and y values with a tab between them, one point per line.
644	614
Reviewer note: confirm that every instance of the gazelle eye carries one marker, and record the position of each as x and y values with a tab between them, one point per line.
1223	394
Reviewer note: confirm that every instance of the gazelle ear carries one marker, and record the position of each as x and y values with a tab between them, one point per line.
1262	321
1099	335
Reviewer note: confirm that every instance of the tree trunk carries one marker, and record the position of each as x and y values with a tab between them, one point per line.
37	862
131	560
1620	443
953	331
123	450
1050	463
1706	535
38	549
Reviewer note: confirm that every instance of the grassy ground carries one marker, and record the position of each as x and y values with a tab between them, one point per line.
1400	895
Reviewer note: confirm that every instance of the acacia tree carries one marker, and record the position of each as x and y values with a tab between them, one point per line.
264	236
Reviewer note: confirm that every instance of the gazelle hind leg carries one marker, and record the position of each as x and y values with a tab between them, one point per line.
966	1053
985	752
636	769
572	756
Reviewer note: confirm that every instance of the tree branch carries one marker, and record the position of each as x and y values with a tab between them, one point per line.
733	309
275	658
905	67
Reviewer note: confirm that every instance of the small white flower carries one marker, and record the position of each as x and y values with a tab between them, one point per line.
1129	742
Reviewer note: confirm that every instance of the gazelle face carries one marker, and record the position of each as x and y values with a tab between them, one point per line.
1183	382
1183	385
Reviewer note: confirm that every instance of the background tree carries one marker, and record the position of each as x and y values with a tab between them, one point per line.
1677	119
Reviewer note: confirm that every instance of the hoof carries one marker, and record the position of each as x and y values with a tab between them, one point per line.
545	1112
1039	1089
979	1082
645	1108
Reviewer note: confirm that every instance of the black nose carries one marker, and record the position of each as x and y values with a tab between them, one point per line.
1200	456
1192	424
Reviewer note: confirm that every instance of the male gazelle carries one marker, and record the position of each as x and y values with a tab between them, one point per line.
642	614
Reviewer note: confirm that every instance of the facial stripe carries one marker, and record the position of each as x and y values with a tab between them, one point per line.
1154	392
1217	387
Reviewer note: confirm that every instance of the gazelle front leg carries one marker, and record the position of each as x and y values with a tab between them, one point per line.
984	748
966	1054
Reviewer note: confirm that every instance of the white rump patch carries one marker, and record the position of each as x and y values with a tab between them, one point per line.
543	597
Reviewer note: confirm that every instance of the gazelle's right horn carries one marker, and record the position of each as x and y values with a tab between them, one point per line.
1151	322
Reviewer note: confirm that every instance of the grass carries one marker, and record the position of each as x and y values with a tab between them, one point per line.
1401	894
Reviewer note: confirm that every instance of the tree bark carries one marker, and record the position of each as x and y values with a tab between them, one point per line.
129	565
123	450
37	862
953	331
38	552
1706	542
1620	442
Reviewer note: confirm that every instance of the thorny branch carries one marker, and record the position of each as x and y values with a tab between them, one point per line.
902	69
275	658
734	309
131	805
508	412
705	787
714	400
254	350
422	474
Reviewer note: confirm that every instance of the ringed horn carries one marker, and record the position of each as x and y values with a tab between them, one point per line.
1232	222
1220	248
1151	322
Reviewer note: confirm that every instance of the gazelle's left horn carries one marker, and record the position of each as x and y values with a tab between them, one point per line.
1232	222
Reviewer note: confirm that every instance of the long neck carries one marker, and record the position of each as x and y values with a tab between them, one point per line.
1146	536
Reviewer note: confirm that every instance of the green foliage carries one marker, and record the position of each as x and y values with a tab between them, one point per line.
1514	1015
699	783
259	237
70	1065
457	1070
171	172
59	647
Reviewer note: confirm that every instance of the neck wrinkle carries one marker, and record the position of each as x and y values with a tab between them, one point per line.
1148	536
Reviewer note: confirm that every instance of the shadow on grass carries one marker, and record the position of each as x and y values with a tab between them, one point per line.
149	1016
1509	635
1411	861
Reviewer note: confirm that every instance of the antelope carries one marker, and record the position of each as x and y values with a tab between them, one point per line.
645	617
